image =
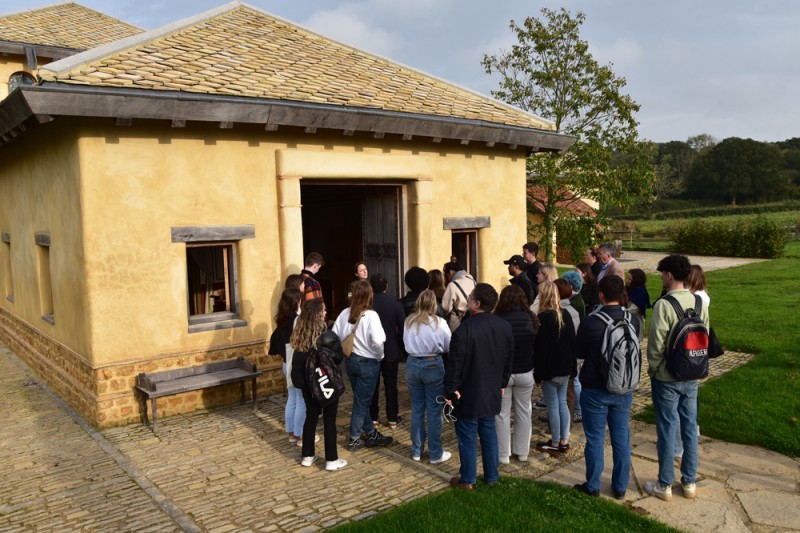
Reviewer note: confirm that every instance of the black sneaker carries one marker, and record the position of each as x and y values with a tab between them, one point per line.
355	444
544	418
376	439
548	447
619	495
584	489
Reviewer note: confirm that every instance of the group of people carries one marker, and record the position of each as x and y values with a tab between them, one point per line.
473	355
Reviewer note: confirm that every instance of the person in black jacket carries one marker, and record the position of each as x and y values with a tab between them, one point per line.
311	332
417	280
513	308
288	310
554	363
516	269
392	318
478	369
600	406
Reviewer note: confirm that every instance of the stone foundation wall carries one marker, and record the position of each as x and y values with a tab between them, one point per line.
105	396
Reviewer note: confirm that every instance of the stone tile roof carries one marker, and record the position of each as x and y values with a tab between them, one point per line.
67	25
238	50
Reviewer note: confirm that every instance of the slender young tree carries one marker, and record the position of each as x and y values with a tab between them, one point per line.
551	73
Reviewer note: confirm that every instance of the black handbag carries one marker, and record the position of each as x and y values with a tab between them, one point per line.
714	347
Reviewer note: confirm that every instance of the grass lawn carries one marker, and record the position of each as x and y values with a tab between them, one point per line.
785	218
513	504
754	308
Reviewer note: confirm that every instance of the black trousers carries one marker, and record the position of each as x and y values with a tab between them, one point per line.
328	423
389	373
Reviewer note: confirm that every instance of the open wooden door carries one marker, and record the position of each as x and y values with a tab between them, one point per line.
380	222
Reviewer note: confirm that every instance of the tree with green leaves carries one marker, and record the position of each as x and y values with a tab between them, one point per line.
740	170
551	73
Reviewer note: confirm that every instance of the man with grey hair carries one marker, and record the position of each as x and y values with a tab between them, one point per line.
611	267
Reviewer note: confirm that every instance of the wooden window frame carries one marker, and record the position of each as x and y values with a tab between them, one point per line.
220	237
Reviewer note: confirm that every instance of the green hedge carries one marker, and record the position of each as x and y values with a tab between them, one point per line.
717	210
757	237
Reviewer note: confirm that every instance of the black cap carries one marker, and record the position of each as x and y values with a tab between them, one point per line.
516	260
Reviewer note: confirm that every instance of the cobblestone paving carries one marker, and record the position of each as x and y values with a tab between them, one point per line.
229	469
54	476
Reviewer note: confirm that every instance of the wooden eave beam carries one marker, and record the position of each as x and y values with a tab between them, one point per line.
81	101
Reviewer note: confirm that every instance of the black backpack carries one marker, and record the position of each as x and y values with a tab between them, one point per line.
687	350
621	354
323	376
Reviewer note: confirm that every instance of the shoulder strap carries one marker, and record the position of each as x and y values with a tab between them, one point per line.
604	317
676	305
698	305
461	289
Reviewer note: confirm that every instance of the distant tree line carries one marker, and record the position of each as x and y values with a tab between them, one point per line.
734	171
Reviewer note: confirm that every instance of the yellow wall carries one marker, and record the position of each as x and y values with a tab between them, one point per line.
136	184
109	196
39	193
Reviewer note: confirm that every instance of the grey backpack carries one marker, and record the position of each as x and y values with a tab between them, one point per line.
621	354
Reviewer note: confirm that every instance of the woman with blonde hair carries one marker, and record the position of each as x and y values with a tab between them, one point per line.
554	363
426	337
310	333
547	272
364	364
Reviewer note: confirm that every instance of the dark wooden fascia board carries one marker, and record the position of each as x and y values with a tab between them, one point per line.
61	100
50	52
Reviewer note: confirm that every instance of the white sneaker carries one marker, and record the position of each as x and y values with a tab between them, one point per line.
445	456
335	465
415	457
689	490
308	461
503	460
654	488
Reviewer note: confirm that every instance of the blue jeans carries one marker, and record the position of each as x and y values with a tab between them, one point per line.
295	409
600	407
675	405
467	431
425	382
363	374
555	396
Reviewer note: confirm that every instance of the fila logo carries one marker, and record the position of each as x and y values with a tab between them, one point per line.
323	382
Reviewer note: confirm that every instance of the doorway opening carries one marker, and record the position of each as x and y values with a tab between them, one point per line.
348	223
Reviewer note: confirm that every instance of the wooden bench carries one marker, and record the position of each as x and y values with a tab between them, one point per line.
169	382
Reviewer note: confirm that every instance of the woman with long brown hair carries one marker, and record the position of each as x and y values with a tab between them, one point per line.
554	363
513	308
288	310
426	337
310	333
364	363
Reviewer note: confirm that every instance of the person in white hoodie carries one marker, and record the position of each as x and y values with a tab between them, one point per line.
363	365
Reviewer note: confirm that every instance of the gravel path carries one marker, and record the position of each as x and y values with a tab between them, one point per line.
647	261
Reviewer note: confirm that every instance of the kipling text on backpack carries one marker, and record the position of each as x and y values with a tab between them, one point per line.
687	350
621	353
323	376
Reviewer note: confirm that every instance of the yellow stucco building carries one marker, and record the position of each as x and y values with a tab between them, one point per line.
156	190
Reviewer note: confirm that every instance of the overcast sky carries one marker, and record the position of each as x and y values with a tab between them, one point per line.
729	68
